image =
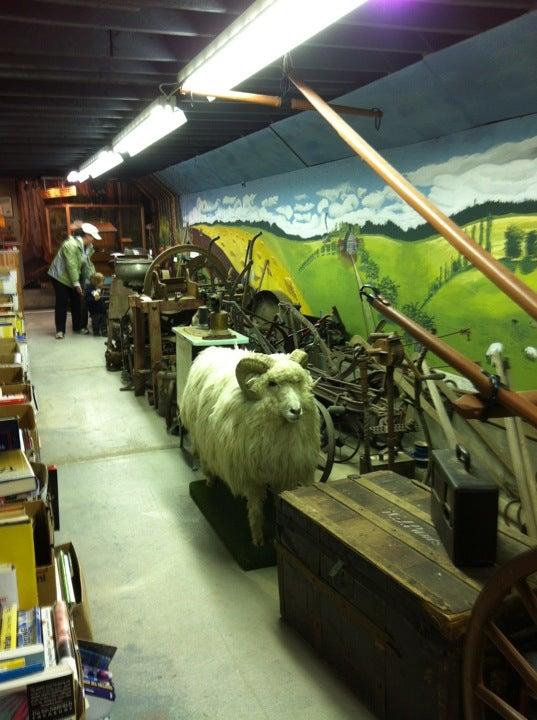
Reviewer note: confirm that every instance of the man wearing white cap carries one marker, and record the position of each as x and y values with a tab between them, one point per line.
65	271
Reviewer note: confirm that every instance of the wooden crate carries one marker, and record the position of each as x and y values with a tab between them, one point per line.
364	578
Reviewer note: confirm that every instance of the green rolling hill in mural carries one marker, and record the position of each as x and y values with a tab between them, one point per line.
425	278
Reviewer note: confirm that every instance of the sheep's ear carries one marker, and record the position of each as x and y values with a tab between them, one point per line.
300	357
246	369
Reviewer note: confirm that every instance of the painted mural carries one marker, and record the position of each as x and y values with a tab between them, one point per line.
328	229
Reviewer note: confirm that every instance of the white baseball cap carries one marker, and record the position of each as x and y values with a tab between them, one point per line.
90	229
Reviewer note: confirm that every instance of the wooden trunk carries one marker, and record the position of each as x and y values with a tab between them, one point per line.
364	577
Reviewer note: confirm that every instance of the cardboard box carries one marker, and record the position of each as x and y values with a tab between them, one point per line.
17	389
26	417
80	611
44	546
10	358
39	551
10	374
9	346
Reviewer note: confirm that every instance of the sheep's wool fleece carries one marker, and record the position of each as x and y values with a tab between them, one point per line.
247	443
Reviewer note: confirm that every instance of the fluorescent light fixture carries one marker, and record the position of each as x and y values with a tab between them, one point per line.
261	35
98	164
159	119
73	176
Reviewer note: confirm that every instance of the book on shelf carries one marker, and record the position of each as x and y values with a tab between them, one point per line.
8	585
97	678
16	474
65	573
8	628
14	399
17	548
26	654
10	437
39	685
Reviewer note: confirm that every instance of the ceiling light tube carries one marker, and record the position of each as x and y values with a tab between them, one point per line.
73	176
155	122
261	35
98	164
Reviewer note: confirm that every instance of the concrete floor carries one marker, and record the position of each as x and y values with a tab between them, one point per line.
197	637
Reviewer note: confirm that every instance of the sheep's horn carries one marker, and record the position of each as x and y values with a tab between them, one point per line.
248	366
300	357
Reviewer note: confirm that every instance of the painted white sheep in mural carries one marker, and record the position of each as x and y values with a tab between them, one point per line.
530	352
254	423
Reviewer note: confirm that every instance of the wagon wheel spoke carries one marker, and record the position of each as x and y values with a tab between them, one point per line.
497	704
527	596
513	656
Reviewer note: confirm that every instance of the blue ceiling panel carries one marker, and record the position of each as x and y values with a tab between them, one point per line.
493	76
415	105
487	78
258	155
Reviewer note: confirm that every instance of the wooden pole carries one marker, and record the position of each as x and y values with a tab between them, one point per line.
278	102
445	422
508	283
515	402
523	476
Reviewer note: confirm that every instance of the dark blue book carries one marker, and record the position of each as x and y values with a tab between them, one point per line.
17	673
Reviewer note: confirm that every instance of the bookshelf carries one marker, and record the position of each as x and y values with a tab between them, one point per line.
50	675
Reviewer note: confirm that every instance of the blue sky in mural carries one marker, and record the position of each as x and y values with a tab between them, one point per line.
496	162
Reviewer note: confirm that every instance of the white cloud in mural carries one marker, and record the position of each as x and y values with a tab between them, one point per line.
205	206
322	205
286	211
505	172
248	200
347	205
336	193
376	200
514	181
502	154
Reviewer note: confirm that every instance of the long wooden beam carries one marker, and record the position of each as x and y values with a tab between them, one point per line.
508	283
277	102
515	402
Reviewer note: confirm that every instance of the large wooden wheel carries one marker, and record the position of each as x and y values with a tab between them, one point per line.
499	680
204	268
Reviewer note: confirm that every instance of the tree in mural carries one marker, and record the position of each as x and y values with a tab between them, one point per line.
416	312
531	243
514	237
389	289
481	232
488	233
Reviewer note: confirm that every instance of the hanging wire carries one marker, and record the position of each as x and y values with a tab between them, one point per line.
173	85
287	69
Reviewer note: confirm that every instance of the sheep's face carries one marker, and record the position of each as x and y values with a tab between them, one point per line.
279	383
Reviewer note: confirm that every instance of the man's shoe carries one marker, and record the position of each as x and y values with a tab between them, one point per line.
84	331
59	335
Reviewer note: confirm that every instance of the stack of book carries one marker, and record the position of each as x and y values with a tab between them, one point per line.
65	576
38	663
17	479
97	678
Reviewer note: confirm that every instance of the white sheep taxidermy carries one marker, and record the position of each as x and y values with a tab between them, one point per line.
530	352
253	422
